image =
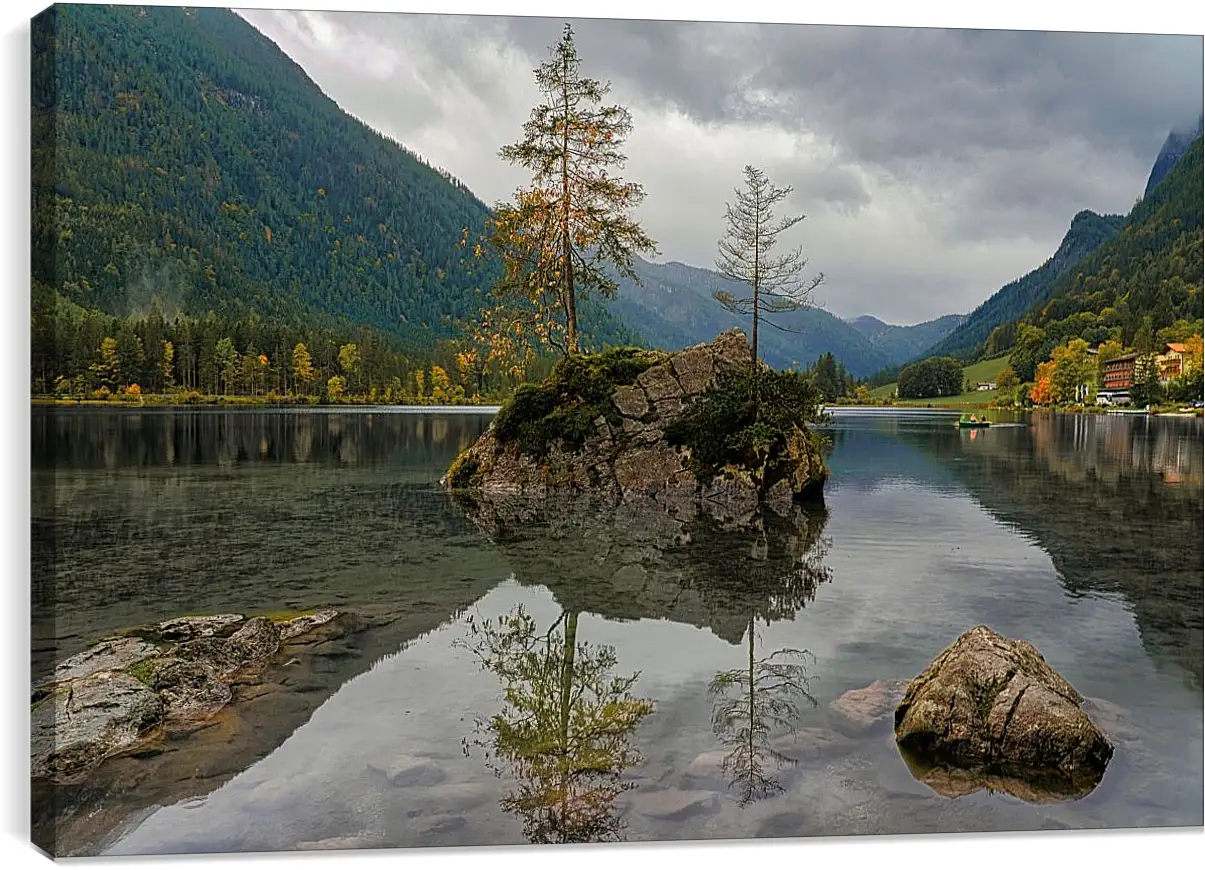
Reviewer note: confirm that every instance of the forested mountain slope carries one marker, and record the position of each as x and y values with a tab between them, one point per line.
1088	231
179	153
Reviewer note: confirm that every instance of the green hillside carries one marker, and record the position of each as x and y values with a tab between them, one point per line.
1147	277
984	371
178	154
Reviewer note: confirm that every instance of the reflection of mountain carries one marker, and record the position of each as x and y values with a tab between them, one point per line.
87	438
1115	501
137	517
643	561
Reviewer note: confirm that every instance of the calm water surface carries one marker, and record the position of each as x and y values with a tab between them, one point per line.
1081	534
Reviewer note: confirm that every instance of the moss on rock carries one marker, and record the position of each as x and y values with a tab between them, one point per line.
748	420
144	671
463	469
702	422
563	407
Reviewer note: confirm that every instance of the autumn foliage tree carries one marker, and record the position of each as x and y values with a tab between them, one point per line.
1043	388
303	366
558	235
1074	371
166	358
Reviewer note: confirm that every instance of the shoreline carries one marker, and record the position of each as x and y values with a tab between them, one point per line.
214	403
1169	411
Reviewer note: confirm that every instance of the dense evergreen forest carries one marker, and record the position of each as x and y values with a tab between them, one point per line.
180	157
1140	288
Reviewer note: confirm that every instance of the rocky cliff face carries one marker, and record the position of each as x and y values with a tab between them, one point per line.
629	452
1174	147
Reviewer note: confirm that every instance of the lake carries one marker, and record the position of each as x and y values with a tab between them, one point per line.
1079	533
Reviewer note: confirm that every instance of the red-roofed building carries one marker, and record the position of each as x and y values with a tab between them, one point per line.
1172	361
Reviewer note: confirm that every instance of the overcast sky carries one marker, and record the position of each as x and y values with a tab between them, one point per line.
933	166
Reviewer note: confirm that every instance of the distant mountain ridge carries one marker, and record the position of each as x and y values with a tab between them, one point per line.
673	307
902	343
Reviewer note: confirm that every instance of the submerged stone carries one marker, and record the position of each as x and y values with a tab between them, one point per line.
863	709
675	805
409	771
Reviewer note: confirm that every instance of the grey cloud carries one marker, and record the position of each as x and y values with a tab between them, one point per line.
980	144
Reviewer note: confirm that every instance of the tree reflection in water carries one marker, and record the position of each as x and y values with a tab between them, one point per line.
563	730
762	700
693	563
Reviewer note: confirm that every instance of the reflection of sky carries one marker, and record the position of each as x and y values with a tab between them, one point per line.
916	561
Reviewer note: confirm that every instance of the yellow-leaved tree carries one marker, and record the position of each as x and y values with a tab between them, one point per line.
559	233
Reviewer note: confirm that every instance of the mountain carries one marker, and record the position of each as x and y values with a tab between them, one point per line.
179	153
1088	231
673	307
1148	276
901	344
1174	146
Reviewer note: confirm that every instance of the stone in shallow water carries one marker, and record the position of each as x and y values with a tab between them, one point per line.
804	745
706	765
114	654
88	720
409	771
302	624
988	699
861	710
675	805
350	841
792	823
439	823
192	627
255	641
454	797
808	744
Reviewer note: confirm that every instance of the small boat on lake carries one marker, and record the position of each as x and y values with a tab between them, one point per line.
972	422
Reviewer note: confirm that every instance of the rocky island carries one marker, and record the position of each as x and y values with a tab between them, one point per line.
704	424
